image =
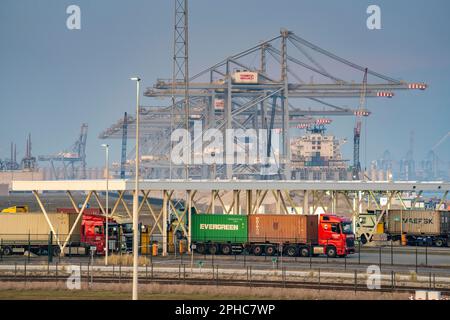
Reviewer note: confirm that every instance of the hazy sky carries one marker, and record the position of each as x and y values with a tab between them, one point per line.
52	79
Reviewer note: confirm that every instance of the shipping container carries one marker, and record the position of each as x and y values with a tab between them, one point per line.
418	222
20	226
283	228
220	228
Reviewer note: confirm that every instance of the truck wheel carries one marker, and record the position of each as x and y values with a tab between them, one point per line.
270	250
331	252
439	243
304	252
200	248
363	239
257	250
7	251
291	251
179	235
212	249
226	249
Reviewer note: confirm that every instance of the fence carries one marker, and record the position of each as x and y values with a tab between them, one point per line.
217	275
387	255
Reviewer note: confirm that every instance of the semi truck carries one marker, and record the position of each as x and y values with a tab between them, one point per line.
416	226
270	234
20	232
120	231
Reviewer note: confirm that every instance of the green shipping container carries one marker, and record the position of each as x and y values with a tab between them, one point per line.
219	228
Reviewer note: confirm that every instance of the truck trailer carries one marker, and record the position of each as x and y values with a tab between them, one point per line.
416	226
269	234
20	232
430	227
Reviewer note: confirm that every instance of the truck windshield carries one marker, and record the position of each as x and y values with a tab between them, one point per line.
112	229
346	228
127	228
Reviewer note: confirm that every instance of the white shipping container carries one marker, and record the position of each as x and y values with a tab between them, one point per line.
247	77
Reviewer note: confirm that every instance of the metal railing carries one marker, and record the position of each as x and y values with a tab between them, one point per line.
386	255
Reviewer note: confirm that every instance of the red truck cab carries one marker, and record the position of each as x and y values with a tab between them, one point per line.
335	233
93	231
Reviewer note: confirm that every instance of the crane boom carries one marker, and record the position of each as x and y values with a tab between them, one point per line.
441	141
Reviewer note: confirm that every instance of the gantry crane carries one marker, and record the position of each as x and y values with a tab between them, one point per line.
28	161
433	159
73	161
234	104
215	97
123	158
11	163
361	112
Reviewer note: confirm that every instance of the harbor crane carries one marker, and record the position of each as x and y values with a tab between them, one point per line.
11	163
433	161
361	112
123	159
73	161
28	161
262	87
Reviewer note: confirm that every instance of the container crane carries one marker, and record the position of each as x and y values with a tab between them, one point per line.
28	162
11	163
433	160
72	160
408	164
123	159
361	112
235	93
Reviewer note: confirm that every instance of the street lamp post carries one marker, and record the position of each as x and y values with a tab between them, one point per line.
106	146
136	198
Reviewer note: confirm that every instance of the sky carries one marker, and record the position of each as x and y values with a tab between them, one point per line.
53	79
